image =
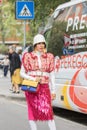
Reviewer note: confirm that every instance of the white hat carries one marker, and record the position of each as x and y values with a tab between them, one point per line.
39	38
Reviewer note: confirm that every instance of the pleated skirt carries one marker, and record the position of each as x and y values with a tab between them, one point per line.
16	78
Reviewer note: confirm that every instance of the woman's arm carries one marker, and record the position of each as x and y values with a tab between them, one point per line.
52	81
25	75
52	85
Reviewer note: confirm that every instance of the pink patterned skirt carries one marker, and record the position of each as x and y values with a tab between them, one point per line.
39	104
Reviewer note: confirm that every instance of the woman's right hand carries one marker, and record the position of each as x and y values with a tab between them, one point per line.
53	96
38	79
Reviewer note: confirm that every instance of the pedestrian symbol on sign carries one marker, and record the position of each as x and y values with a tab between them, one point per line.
25	11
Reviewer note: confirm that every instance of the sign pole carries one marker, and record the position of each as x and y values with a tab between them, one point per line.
24	33
24	11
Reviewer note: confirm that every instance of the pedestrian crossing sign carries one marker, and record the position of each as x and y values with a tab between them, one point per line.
24	10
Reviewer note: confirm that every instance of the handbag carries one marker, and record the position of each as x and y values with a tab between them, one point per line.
29	85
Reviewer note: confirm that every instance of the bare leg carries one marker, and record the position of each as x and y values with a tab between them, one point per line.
13	88
17	88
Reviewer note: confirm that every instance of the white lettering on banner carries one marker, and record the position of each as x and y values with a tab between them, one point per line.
69	24
78	41
83	22
78	35
76	23
77	47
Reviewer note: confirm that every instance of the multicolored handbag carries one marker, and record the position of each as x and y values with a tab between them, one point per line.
29	85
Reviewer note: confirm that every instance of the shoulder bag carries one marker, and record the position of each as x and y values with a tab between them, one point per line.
29	85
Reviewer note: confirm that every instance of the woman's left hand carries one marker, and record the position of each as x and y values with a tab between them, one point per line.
53	96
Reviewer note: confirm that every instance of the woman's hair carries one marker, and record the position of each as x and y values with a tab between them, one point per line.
20	51
13	48
38	43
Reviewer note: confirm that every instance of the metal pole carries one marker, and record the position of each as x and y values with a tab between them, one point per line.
24	30
24	33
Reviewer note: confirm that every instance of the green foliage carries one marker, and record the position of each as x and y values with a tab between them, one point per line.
43	9
9	27
3	49
56	38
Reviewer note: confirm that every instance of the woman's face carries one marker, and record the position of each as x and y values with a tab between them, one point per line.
40	47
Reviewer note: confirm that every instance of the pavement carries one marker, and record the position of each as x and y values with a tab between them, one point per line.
6	88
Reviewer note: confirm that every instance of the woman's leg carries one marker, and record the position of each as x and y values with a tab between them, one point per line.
6	71
51	124
32	125
17	88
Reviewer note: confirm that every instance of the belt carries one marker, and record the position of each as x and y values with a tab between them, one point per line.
38	73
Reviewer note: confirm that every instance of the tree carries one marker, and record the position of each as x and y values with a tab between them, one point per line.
56	38
3	49
43	9
9	26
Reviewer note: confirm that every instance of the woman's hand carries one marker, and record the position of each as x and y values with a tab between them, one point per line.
38	79
15	72
53	96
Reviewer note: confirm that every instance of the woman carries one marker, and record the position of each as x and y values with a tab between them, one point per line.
6	65
15	65
39	66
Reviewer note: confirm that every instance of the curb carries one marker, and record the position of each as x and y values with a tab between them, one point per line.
12	97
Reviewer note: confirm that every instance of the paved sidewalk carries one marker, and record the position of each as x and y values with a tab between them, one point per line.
5	89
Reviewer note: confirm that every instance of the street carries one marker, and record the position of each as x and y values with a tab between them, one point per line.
47	41
13	112
13	116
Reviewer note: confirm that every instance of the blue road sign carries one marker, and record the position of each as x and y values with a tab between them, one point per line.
24	10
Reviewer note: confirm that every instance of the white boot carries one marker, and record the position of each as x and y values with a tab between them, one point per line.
32	125
51	125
